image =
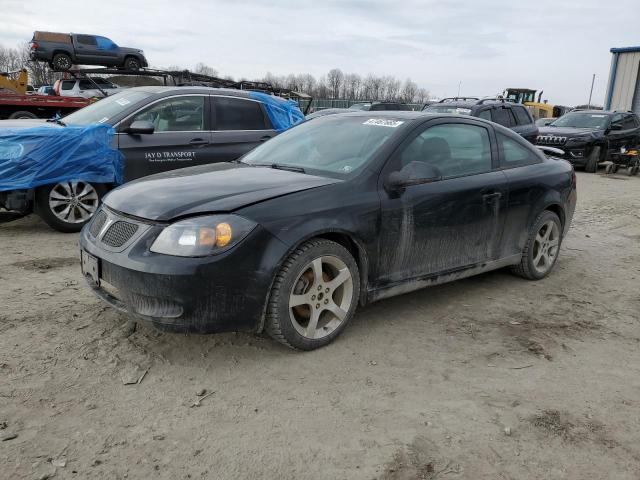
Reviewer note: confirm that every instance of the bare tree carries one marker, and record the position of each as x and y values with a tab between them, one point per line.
335	78
409	90
421	96
205	69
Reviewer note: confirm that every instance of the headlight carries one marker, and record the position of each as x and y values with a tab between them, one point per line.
201	236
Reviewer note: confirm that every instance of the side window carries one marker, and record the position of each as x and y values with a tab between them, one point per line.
86	85
521	115
486	114
87	40
514	153
238	114
105	44
616	119
179	114
454	148
628	123
501	116
67	84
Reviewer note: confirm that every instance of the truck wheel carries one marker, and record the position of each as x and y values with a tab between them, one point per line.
22	114
131	63
67	206
61	61
592	161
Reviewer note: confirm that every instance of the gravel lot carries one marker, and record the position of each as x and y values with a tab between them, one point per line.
491	377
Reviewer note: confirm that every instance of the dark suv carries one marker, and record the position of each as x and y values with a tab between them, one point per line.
588	137
508	114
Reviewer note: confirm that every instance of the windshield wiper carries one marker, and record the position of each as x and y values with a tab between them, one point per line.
57	120
290	168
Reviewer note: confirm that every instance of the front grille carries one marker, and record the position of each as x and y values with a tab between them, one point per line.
97	223
119	233
550	140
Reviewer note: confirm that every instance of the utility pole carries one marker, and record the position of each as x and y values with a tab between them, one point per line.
593	79
459	85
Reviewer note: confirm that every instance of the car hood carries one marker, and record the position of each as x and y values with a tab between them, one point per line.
28	123
220	187
568	131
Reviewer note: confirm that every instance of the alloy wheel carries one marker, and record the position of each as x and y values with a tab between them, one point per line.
546	246
73	202
321	297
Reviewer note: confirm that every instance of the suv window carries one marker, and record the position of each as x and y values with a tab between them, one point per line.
238	114
455	149
501	116
515	154
181	114
87	40
521	115
628	123
86	85
616	119
486	114
67	84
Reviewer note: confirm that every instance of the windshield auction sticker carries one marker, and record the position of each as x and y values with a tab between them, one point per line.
381	122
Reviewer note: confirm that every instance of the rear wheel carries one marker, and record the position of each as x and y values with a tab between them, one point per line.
592	160
542	247
22	114
61	61
68	206
314	295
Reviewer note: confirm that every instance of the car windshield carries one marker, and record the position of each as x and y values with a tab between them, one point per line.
334	145
448	109
103	110
582	120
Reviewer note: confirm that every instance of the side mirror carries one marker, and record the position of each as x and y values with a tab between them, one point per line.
415	173
615	126
140	127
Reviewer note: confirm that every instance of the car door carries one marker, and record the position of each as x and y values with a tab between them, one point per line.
108	51
629	133
181	136
616	134
446	225
87	48
240	125
528	178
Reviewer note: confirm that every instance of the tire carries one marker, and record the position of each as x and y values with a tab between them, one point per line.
320	280
131	63
592	160
530	265
61	62
608	169
80	198
22	114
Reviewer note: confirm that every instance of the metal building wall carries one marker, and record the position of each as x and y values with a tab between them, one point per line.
623	92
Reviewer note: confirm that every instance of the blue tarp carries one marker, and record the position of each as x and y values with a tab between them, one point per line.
283	114
30	157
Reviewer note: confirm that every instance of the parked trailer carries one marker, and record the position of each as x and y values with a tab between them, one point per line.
38	106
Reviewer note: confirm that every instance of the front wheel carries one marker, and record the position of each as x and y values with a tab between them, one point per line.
22	114
592	160
132	64
68	206
542	247
314	295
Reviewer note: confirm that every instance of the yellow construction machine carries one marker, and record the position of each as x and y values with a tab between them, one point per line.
15	81
538	108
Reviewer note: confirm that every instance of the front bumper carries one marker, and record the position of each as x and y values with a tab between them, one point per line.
219	293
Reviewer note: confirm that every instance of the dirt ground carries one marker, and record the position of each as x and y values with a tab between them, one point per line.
491	377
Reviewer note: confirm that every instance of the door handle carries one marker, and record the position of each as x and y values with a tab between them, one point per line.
198	141
265	138
491	197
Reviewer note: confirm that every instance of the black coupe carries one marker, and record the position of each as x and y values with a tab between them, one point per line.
335	213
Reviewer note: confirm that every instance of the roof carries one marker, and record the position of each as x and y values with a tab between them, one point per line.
193	89
625	49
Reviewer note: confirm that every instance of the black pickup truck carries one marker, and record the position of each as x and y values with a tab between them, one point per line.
62	50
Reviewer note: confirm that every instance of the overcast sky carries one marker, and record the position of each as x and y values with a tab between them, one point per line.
554	45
